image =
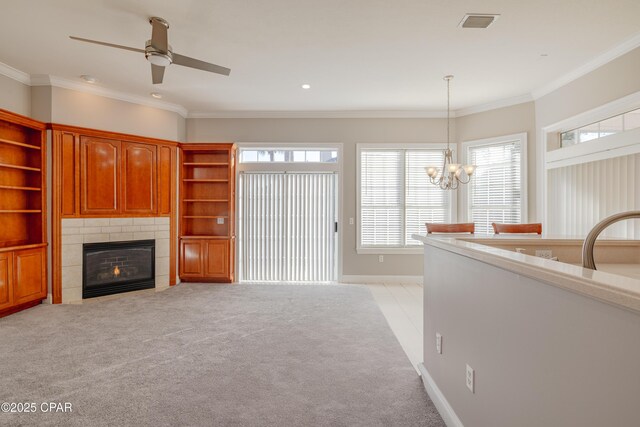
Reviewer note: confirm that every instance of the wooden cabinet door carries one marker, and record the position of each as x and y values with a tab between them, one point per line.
29	275
139	190
6	291
99	175
165	178
217	259
192	258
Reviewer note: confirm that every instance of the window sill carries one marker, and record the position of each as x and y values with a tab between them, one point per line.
390	251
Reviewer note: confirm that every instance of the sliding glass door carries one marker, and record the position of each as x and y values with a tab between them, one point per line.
287	226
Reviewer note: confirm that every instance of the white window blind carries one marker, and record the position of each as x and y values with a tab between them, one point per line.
496	189
396	198
286	227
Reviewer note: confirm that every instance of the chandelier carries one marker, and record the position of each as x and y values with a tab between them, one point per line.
452	174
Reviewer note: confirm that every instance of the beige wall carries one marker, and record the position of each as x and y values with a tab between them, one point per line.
614	80
506	121
543	356
41	103
15	96
75	108
349	132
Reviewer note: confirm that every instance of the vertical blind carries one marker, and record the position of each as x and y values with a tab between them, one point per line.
286	227
496	187
396	198
579	196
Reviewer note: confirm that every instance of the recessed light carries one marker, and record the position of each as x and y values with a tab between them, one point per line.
306	86
88	78
544	55
156	95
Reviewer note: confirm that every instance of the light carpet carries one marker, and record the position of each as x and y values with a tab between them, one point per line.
202	354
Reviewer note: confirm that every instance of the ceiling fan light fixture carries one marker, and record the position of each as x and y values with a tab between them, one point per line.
160	59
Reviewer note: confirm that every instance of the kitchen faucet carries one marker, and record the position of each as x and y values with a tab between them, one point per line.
589	242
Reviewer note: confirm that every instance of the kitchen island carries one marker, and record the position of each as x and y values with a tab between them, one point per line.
550	343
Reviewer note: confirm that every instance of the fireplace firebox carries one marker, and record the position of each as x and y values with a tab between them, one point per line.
115	267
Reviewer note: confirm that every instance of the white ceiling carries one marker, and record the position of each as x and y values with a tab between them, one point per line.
373	55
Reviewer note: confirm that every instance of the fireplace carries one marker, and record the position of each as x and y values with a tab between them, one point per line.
114	267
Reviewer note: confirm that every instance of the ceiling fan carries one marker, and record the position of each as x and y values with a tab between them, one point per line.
158	52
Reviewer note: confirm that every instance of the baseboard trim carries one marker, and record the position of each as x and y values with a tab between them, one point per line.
446	411
399	280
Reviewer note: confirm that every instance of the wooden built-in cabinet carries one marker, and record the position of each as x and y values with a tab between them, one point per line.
99	176
23	216
139	191
107	174
119	177
207	201
112	175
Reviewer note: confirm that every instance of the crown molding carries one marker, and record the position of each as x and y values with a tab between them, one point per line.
597	62
320	114
47	80
501	103
17	75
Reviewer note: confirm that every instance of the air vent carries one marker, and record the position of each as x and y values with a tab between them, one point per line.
476	20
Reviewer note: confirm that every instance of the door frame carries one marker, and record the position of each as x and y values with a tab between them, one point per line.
338	168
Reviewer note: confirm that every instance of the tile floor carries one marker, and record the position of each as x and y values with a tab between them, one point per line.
402	306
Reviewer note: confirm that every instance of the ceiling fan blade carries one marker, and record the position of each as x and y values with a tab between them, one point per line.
157	73
159	34
133	49
200	65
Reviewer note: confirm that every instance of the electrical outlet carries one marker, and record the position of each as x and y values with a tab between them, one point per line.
470	379
380	258
544	253
220	221
438	343
351	222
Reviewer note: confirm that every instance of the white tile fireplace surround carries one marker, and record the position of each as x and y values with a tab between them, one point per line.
75	232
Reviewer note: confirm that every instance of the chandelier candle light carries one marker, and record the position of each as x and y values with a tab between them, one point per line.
452	174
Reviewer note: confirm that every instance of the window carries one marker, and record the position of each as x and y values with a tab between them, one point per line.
611	126
298	155
395	196
497	191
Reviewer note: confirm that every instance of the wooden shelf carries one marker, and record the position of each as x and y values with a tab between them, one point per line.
15	187
204	180
23	214
202	217
19	245
206	200
207	192
24	168
204	236
205	164
19	144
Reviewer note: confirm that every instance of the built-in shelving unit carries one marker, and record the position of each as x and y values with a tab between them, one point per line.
22	212
207	196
